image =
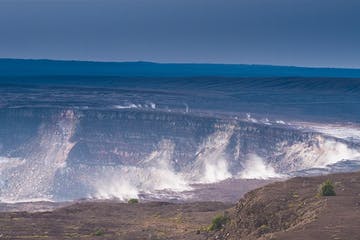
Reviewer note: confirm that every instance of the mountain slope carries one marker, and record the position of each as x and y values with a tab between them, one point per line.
292	210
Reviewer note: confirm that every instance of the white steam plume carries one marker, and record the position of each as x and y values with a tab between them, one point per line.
319	152
154	173
255	168
211	164
33	177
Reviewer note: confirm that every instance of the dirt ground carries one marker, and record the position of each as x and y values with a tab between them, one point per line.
111	220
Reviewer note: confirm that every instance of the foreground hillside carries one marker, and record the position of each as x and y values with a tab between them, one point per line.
283	210
293	210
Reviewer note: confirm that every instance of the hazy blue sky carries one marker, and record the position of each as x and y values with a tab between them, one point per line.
281	32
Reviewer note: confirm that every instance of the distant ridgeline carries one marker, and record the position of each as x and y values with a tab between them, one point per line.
19	67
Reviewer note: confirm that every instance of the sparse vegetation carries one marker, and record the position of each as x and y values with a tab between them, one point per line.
327	189
263	229
133	201
99	232
218	222
114	220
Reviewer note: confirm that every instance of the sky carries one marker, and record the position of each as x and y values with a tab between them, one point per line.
277	32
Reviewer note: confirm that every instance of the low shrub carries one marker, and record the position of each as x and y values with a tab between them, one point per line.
99	232
263	229
218	222
133	201
327	189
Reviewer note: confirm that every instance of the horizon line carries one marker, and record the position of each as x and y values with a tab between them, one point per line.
180	63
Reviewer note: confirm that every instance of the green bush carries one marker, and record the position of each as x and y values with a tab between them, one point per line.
218	222
99	232
133	201
263	229
327	189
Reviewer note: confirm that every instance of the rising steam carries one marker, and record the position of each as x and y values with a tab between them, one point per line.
255	168
211	163
34	174
319	152
33	177
154	173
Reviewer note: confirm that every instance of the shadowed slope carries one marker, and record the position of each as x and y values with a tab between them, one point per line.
293	210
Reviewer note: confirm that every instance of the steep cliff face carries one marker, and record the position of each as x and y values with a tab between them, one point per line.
76	153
